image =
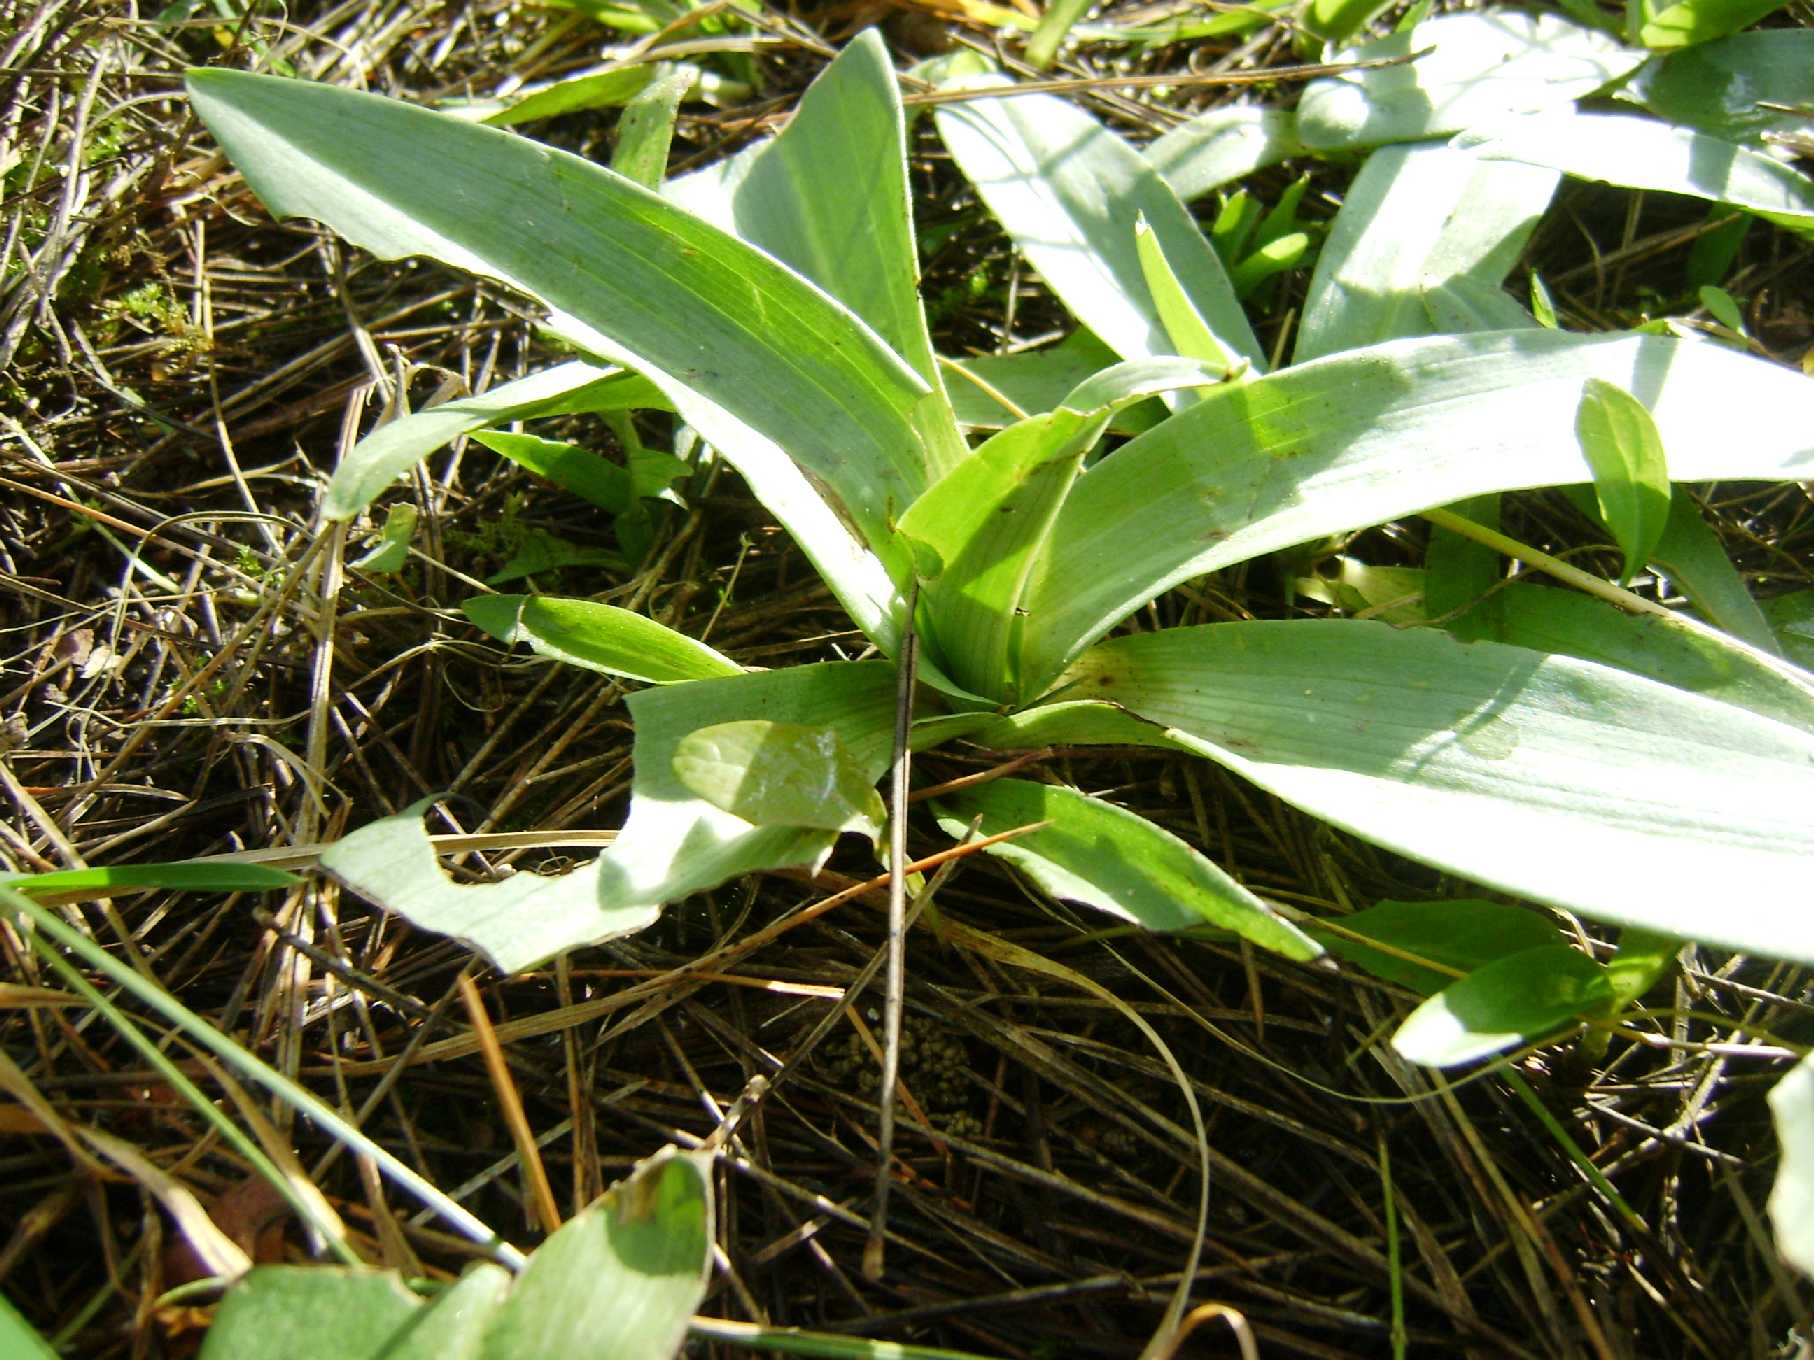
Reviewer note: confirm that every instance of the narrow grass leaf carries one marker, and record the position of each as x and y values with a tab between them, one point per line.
698	312
1068	192
1738	88
1419	222
393	448
1426	946
1688	22
1222	146
1471	70
1510	1002
1641	153
190	875
1108	858
1792	1197
1361	437
596	90
1563	781
586	474
599	637
780	774
1631	475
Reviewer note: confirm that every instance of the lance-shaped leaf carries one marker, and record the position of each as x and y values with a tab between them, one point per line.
1428	945
1641	153
1470	70
1688	22
1518	999
599	637
1107	857
1367	435
1556	779
1069	191
985	520
753	355
830	197
392	449
1223	145
1631	477
1425	238
1190	334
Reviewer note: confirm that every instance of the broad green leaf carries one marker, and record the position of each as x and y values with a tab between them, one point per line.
1641	153
674	842
755	357
391	550
586	474
1677	651
1107	857
1563	781
1068	192
1362	437
1631	476
515	923
620	1280
830	198
1426	946
1222	146
780	774
191	875
393	448
1727	88
1037	380
645	131
1792	1197
1477	70
18	1338
986	519
1189	333
1512	1001
599	637
1417	222
1688	22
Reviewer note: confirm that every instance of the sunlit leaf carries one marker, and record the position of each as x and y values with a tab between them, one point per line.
1223	145
1516	1000
599	637
1688	22
1738	88
780	774
1631	477
1107	857
1792	1197
1559	780
1426	946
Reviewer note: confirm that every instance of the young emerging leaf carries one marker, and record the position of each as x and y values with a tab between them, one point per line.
1190	334
1688	22
780	774
1515	1000
587	475
1631	477
1107	857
